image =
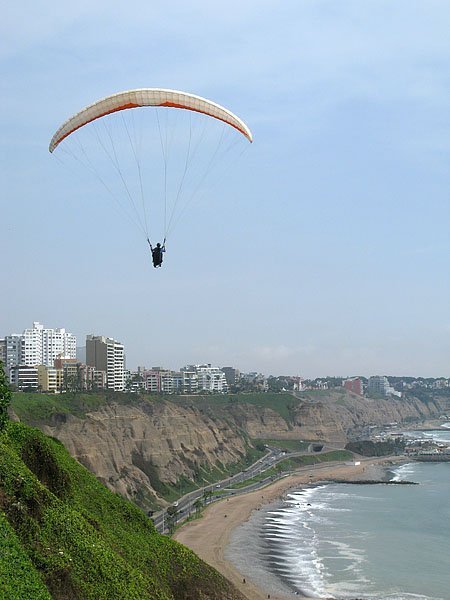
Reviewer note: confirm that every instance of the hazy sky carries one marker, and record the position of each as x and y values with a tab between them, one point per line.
324	252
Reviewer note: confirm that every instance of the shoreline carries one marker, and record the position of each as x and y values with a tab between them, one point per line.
209	536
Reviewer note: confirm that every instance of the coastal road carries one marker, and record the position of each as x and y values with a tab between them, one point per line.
184	508
185	505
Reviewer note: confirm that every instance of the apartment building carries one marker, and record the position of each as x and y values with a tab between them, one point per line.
232	375
37	345
190	380
379	384
355	385
158	380
40	346
12	346
24	378
211	379
152	381
49	379
107	354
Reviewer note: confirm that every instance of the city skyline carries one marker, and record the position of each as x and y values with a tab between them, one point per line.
40	345
43	359
323	251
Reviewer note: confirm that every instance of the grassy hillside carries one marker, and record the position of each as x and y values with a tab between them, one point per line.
40	408
282	403
64	535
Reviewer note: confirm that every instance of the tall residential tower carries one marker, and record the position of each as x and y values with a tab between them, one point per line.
38	346
106	354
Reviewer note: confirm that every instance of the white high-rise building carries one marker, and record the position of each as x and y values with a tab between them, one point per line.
106	354
57	342
41	346
119	367
32	347
38	346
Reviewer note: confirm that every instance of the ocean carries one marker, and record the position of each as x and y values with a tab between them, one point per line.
377	542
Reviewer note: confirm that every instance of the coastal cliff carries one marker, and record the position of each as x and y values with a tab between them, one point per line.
143	447
330	416
149	446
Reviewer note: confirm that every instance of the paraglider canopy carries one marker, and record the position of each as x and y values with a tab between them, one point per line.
147	97
152	167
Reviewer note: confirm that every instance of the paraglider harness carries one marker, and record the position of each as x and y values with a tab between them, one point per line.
157	253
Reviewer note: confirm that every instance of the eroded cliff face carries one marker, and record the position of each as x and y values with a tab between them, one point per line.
336	417
137	449
342	416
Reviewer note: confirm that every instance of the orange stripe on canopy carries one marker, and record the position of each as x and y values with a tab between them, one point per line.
108	112
174	105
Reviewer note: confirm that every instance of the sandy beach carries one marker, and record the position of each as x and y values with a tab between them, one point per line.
209	536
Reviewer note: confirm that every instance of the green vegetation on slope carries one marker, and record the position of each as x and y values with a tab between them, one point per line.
18	578
370	448
40	408
5	398
204	476
68	537
282	403
286	445
291	464
312	459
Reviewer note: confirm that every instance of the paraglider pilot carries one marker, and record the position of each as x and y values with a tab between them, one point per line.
157	253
